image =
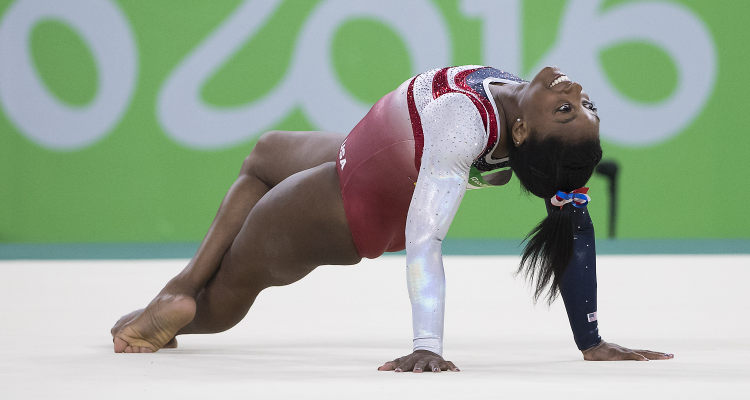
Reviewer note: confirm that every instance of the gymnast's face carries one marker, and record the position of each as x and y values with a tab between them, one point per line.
553	105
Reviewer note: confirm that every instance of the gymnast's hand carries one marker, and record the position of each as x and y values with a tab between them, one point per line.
417	362
612	352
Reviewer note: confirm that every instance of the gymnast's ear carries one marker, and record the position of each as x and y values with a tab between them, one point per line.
519	132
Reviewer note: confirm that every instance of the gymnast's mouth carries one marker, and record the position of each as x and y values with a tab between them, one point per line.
559	79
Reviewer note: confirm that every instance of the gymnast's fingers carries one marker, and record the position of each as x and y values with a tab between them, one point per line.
631	355
654	355
619	354
435	366
388	366
449	366
406	365
419	365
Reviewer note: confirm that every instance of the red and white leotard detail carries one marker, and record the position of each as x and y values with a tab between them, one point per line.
452	111
470	81
404	170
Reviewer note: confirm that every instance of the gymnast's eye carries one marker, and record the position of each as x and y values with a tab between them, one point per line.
590	105
566	108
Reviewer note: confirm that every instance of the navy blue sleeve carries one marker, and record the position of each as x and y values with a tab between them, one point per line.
578	284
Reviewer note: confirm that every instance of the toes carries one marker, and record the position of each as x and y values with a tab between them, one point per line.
138	349
122	346
119	345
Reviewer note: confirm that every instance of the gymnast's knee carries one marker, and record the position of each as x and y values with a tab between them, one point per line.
264	154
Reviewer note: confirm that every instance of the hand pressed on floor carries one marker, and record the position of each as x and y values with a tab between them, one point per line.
418	361
613	352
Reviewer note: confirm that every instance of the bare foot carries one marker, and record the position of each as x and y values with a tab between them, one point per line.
125	319
153	328
128	318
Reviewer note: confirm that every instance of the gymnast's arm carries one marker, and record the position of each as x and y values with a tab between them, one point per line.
578	290
453	139
578	283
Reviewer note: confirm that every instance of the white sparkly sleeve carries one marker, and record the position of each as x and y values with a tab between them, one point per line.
454	136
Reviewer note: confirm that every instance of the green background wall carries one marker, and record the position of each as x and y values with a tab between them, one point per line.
136	183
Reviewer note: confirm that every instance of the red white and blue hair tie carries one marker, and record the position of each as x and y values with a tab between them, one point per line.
578	197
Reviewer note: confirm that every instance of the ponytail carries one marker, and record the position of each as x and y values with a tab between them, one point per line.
549	169
549	247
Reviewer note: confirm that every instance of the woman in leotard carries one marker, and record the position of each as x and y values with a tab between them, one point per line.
305	199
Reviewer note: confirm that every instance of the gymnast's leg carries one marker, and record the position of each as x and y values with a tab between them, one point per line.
296	226
276	156
299	225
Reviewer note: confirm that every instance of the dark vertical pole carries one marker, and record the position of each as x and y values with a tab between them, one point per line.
609	170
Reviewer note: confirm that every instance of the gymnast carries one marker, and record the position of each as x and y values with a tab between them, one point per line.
305	199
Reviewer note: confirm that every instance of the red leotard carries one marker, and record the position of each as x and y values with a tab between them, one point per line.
377	174
379	161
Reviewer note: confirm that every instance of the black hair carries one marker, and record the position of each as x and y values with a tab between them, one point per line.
544	167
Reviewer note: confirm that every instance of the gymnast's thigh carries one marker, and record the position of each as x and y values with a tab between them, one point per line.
298	225
281	154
